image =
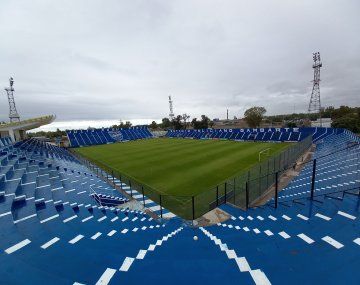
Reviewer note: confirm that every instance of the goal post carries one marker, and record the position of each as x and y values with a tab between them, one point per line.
265	151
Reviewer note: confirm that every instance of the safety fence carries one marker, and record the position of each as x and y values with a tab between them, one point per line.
241	190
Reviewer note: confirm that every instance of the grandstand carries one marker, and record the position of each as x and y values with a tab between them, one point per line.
78	138
65	220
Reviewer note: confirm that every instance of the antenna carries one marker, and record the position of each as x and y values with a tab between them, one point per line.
171	113
13	114
315	103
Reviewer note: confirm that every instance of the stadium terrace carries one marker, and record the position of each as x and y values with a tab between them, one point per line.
68	218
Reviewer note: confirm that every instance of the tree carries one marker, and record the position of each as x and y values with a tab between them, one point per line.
122	125
349	121
203	124
166	123
185	117
254	116
153	125
176	122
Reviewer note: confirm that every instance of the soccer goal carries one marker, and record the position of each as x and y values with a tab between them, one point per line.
265	152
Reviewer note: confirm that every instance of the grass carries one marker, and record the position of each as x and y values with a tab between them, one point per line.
182	167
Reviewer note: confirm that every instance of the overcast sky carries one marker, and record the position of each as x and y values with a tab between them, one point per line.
111	60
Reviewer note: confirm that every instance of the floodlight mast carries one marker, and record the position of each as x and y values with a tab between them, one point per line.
13	114
171	113
315	102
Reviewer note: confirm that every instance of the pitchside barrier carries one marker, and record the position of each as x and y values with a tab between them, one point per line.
240	190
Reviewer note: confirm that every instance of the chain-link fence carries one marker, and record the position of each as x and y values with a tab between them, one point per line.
241	190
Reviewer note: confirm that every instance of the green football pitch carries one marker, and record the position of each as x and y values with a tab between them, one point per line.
179	167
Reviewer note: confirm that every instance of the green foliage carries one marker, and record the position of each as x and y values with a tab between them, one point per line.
123	125
204	123
350	121
177	123
49	134
165	123
153	125
254	116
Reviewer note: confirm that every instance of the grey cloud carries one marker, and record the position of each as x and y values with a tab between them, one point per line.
87	59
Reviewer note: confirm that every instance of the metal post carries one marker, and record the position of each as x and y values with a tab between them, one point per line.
142	190
112	174
276	189
193	207
130	188
267	176
225	193
247	194
217	196
313	179
234	190
260	178
160	207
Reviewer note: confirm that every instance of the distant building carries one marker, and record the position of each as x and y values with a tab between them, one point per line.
325	122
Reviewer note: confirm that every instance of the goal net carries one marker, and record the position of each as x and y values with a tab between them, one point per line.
264	152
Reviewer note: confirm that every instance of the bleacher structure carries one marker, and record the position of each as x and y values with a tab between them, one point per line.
63	224
256	134
78	138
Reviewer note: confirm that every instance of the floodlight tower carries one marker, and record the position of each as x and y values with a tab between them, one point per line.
13	114
315	103
171	113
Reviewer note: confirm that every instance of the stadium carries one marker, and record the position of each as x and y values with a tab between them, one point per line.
201	204
216	201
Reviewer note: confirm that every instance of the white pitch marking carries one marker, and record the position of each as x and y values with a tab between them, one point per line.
286	217
111	233
17	246
95	236
357	241
25	218
135	230
124	219
326	218
76	239
256	231
106	276
246	229
272	218
5	214
86	219
268	233
302	217
124	231
101	219
346	215
151	247
260	218
114	219
242	264
141	254
306	238
49	219
134	219
69	219
332	242
284	235
50	243
126	264
259	277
